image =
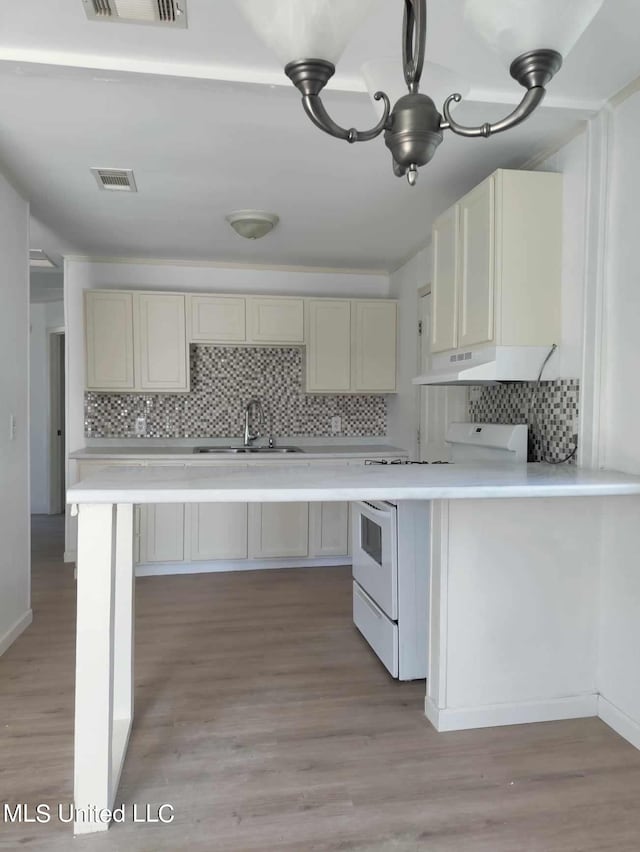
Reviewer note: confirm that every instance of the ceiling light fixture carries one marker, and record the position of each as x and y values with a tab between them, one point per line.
252	224
39	259
310	35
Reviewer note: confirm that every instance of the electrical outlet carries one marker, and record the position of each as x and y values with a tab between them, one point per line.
336	425
141	427
12	427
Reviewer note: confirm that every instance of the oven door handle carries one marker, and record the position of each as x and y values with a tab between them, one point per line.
382	514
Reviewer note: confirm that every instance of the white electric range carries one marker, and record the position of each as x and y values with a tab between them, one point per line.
391	543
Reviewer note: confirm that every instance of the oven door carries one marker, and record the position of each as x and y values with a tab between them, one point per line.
375	553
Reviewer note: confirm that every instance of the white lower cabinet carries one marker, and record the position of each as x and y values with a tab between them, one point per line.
328	529
216	531
278	529
225	532
161	532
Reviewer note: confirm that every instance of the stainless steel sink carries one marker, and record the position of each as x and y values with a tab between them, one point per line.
253	450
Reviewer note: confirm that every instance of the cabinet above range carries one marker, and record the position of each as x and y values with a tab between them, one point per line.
496	288
139	341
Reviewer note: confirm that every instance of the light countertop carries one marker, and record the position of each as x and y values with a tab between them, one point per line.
286	482
182	453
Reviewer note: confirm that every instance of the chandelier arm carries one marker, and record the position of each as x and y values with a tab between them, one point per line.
532	99
414	42
316	111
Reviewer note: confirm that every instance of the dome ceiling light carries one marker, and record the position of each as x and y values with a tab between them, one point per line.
309	37
252	224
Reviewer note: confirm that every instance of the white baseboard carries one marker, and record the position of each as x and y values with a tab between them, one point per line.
12	634
464	718
622	724
164	568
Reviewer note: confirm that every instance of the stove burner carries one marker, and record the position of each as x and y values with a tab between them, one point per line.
401	461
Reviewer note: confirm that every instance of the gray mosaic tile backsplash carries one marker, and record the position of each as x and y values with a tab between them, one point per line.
223	379
551	420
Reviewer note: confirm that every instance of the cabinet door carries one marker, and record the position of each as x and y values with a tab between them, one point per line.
276	320
217	531
218	319
476	309
444	287
374	346
162	532
278	529
328	529
328	345
162	355
109	340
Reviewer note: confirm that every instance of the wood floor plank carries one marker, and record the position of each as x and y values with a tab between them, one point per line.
265	720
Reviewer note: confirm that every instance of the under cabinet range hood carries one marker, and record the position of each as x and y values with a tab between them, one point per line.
487	366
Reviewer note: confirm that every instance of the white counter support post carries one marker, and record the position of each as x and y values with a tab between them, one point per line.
104	659
124	615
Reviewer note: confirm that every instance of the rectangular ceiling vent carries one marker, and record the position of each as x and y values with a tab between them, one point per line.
115	180
168	13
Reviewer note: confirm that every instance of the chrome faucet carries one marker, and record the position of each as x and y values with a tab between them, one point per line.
249	436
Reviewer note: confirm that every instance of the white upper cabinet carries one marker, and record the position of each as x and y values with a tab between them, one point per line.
161	352
328	346
528	258
374	346
444	287
351	346
477	251
109	340
498	264
139	341
275	320
217	319
136	341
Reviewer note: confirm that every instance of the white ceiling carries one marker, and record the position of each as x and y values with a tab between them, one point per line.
209	124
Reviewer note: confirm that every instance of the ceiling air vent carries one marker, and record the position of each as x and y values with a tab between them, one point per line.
116	180
168	13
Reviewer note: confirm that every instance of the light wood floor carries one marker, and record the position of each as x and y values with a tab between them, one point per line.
264	719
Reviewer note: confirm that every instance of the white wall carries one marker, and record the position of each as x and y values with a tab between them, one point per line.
403	408
621	411
15	612
620	427
44	317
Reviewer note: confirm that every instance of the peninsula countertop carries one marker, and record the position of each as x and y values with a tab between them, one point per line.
178	453
290	483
